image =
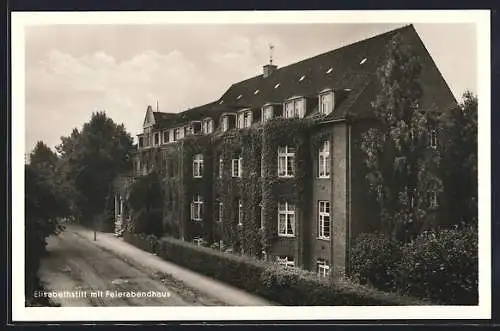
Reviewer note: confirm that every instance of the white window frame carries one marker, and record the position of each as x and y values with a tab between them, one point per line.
247	119
325	107
240	212
433	139
163	135
225	123
197	208
221	167
324	160
286	212
285	261
177	134
240	123
267	113
324	211
286	156
221	212
198	165
156	142
294	111
323	268
238	163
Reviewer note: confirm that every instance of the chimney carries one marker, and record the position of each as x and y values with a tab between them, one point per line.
268	69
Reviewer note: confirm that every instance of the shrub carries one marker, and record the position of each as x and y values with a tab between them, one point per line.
442	265
375	259
287	286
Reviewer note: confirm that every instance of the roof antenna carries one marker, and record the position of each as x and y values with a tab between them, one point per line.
271	48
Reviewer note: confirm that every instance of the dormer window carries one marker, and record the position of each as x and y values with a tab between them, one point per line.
295	108
225	123
267	113
326	102
207	126
244	119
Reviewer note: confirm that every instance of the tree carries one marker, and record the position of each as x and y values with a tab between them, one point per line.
401	165
44	206
92	159
459	167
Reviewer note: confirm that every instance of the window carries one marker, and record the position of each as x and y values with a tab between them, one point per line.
363	61
285	261
221	212
221	167
277	85
141	142
240	212
323	268
198	241
324	160
295	108
244	119
207	126
433	139
329	70
198	166
197	208
286	161
326	103
177	134
225	123
236	166
262	220
165	137
267	113
324	219
302	78
433	199
256	92
157	138
286	219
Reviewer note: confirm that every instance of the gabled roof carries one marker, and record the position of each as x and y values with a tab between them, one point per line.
351	68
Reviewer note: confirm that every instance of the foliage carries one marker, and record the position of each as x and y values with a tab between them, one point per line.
401	165
459	166
288	286
439	265
374	260
92	158
44	206
146	204
442	265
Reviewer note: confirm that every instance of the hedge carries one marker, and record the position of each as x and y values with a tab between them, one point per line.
286	286
439	265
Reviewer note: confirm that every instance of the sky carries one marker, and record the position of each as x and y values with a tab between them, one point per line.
74	70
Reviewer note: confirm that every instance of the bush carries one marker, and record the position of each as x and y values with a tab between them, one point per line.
439	265
442	265
375	259
287	286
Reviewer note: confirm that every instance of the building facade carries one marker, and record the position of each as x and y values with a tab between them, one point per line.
273	168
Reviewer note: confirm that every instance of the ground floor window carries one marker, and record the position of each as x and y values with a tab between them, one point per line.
323	267
286	261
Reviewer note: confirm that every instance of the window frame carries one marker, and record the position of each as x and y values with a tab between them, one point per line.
197	203
165	134
265	112
433	197
324	169
198	165
286	261
156	139
322	268
324	94
288	157
238	162
225	123
321	219
289	218
240	212
433	139
221	212
295	112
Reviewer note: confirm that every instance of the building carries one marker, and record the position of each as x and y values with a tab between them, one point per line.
273	168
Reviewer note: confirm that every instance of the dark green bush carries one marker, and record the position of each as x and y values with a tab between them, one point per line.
375	259
287	286
442	266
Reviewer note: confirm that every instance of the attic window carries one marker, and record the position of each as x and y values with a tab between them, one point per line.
329	70
347	89
302	78
363	61
256	91
221	102
239	97
277	85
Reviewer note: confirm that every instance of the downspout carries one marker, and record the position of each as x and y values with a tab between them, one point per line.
349	204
